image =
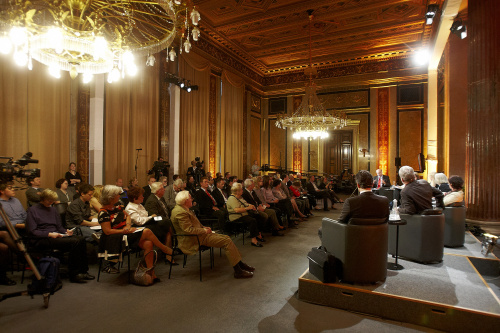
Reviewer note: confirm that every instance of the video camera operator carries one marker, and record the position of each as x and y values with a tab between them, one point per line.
197	170
160	168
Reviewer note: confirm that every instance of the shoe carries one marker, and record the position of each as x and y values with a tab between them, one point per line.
257	244
240	273
260	239
87	276
317	208
96	236
277	233
334	208
4	280
156	279
167	262
78	278
111	270
245	267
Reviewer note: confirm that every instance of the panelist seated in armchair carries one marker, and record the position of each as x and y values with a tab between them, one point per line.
456	196
416	196
185	222
381	180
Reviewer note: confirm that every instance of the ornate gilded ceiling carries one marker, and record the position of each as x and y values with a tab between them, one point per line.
271	36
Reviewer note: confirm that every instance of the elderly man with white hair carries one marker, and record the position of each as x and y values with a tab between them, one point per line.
186	222
416	196
171	191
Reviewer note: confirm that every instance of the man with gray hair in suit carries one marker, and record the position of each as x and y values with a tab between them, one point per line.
416	196
170	193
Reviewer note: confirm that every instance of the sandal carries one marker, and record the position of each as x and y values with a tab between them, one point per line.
168	262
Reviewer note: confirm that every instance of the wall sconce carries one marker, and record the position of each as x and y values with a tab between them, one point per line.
364	151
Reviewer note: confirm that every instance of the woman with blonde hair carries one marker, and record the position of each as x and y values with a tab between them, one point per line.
95	205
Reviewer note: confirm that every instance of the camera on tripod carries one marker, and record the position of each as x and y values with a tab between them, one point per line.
198	163
14	170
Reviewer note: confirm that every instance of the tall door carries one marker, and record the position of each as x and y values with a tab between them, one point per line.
338	152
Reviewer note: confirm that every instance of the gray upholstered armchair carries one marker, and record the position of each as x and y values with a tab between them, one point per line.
421	239
361	247
454	226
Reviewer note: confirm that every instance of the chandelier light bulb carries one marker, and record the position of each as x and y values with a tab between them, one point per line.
187	46
56	38
30	63
18	35
87	77
100	46
177	2
20	58
55	72
127	58
172	54
115	74
195	16
196	34
132	69
5	45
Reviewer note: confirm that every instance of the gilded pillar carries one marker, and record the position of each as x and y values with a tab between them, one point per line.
483	115
383	129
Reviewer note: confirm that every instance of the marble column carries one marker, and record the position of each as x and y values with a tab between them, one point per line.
483	115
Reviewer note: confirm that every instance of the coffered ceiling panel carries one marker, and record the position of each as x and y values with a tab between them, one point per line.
271	36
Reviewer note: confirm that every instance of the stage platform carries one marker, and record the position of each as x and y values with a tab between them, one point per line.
461	294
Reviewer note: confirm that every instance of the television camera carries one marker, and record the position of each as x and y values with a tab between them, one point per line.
14	170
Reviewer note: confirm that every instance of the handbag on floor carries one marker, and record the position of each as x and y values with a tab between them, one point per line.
143	275
322	265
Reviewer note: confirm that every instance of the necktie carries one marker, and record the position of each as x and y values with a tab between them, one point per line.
223	195
163	206
379	182
213	200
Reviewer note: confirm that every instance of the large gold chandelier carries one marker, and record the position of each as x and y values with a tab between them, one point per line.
311	120
94	37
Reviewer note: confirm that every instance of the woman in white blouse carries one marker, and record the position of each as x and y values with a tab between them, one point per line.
140	217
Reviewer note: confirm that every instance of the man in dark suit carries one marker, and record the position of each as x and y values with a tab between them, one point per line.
416	196
147	188
207	203
34	191
381	180
218	193
313	189
155	205
367	204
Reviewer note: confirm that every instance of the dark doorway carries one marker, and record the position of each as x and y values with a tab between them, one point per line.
338	152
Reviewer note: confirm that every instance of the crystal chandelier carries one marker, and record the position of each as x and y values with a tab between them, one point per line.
95	37
311	120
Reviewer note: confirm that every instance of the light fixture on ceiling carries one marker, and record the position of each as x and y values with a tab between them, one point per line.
95	37
459	28
422	57
431	12
180	82
311	120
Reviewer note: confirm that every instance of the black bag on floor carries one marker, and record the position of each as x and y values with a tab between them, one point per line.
50	283
322	265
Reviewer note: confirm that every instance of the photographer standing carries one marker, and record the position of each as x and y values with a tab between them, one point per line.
160	168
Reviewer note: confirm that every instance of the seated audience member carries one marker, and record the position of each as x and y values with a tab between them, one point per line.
416	196
239	209
44	226
185	222
295	191
73	177
328	186
208	204
12	206
164	181
34	191
123	195
174	177
284	201
442	182
62	191
367	204
229	184
381	180
319	194
147	189
95	205
6	243
258	183
191	185
140	217
78	213
251	197
456	196
115	223
171	192
156	205
219	194
430	178
227	175
133	182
